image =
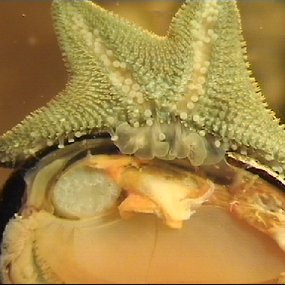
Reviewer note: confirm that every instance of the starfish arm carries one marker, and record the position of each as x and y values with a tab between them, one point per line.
129	53
102	52
71	114
125	53
87	31
91	102
230	106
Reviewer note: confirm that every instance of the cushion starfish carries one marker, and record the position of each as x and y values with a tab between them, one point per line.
187	94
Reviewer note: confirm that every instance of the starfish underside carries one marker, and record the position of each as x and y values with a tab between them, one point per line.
187	94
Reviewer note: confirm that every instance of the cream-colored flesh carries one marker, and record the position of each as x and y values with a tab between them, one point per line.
56	241
212	247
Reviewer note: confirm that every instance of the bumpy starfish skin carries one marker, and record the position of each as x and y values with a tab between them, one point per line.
188	94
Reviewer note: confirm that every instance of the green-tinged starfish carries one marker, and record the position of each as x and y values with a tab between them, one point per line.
188	94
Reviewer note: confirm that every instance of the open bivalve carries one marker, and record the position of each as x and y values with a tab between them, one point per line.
93	215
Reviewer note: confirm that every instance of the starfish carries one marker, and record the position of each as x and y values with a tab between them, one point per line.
188	94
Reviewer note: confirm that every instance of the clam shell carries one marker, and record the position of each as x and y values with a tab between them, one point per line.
46	243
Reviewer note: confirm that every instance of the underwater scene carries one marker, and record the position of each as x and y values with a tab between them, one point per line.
142	142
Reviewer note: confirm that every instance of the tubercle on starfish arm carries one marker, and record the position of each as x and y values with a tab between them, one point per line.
188	94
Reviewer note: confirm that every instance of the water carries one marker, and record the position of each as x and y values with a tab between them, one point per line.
32	71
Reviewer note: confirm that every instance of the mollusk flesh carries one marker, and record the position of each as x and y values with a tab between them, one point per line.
76	226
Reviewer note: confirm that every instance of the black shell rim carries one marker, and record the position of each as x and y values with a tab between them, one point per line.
32	160
13	190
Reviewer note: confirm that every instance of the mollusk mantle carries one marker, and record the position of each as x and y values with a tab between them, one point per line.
187	94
